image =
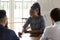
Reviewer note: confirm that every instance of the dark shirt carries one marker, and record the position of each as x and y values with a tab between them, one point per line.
35	24
7	34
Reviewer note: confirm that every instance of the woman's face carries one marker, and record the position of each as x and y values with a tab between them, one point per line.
34	12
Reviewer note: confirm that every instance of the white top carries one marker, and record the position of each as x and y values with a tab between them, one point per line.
52	32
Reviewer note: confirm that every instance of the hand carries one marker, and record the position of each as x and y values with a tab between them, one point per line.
20	34
24	30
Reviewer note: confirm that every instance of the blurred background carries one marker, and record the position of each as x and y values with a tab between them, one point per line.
18	12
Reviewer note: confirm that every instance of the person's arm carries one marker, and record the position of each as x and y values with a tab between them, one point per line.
34	31
26	24
24	27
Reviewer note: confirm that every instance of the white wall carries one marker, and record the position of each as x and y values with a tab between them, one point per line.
46	7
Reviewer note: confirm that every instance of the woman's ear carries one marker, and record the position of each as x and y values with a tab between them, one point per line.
52	21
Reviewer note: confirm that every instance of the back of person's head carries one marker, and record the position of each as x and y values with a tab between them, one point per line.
55	14
2	15
36	6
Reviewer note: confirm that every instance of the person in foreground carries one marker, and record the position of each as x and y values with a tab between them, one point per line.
53	32
5	33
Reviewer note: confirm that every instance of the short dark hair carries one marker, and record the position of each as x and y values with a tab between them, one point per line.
2	13
35	6
55	14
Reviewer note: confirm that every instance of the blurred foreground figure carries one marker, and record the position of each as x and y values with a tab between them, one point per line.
53	32
5	33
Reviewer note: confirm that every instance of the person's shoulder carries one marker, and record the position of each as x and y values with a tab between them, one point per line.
29	18
11	31
41	17
49	28
12	34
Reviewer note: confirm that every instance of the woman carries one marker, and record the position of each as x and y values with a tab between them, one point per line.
36	22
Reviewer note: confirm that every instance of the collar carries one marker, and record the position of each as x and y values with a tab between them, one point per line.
57	23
